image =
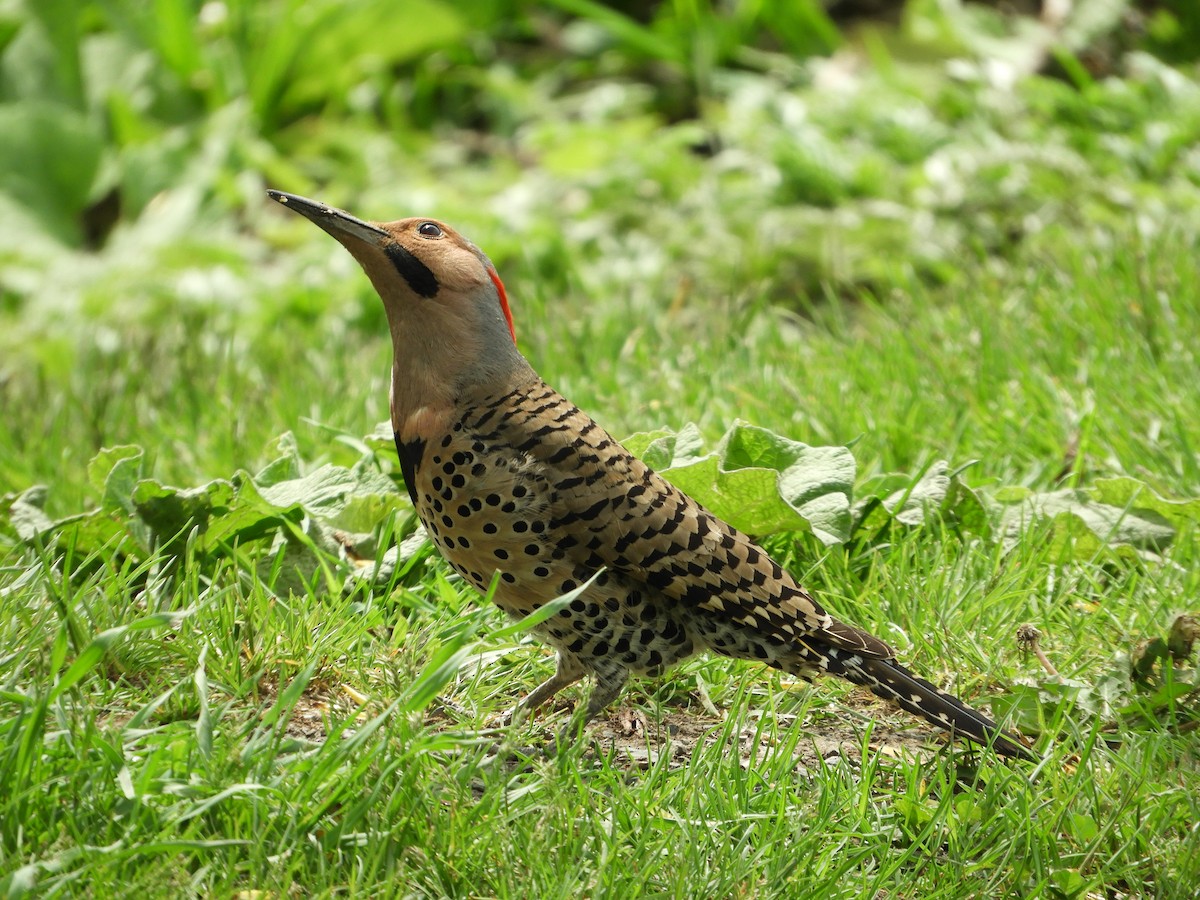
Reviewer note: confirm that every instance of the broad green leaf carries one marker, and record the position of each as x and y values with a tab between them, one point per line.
23	515
404	556
49	159
114	472
1083	827
688	445
1033	708
1080	526
170	512
756	480
1068	882
670	449
61	22
1011	494
965	509
898	499
249	517
382	438
286	463
1133	494
662	449
363	513
100	530
909	506
378	35
326	491
761	482
655	448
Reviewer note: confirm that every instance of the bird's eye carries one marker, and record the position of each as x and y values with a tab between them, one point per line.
429	229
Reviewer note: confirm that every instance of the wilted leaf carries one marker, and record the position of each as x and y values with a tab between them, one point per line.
1135	687
1145	657
1182	638
1166	653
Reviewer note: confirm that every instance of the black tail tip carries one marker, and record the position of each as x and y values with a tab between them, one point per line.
1012	747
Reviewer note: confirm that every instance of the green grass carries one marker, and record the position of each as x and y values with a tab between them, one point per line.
923	268
169	765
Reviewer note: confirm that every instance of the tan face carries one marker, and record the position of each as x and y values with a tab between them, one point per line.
428	255
432	256
417	257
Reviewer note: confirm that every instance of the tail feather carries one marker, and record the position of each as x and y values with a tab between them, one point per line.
891	681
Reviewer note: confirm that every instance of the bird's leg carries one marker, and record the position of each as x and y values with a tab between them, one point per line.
609	681
569	671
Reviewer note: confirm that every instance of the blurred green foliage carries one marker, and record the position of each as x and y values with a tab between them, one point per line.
160	119
690	155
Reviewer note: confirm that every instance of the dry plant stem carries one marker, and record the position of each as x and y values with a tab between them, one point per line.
1045	661
1028	637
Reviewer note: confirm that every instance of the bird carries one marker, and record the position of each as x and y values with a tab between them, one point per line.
511	479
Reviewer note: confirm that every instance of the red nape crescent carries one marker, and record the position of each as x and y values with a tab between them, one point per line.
503	301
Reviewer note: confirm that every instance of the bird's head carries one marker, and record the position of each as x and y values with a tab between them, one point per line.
446	306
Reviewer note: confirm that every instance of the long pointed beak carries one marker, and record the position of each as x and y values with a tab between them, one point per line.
330	219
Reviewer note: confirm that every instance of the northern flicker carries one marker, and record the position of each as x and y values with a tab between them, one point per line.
508	476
